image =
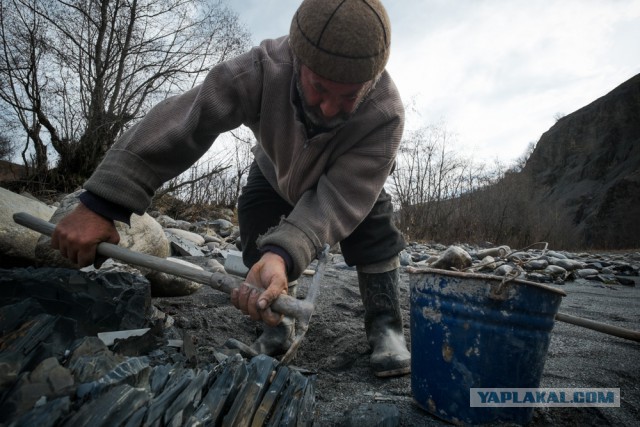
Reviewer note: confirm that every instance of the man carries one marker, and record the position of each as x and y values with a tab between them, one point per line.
328	121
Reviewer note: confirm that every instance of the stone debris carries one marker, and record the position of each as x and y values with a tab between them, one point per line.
207	243
233	264
183	247
246	402
185	235
53	374
532	264
95	301
221	226
55	371
497	252
222	393
108	338
536	264
271	395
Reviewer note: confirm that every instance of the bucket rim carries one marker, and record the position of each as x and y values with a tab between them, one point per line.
482	276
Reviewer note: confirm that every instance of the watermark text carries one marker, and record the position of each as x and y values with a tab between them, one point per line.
544	397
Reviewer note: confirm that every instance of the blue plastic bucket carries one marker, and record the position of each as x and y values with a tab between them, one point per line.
477	331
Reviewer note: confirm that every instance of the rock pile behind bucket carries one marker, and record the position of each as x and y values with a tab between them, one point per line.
537	265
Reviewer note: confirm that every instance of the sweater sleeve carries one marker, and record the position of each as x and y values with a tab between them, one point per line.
105	208
174	134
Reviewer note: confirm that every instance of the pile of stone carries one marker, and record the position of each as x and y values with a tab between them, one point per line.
204	244
539	264
51	377
214	245
59	368
55	370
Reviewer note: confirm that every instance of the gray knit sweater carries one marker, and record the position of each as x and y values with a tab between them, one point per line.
331	179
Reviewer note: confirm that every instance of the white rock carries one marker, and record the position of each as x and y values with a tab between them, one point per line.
16	241
586	272
166	221
194	238
453	258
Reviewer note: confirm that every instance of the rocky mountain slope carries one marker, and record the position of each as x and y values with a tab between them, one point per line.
589	164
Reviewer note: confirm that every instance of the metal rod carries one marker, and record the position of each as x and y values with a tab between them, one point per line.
220	281
600	327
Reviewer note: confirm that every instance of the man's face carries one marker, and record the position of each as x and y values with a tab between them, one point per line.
326	103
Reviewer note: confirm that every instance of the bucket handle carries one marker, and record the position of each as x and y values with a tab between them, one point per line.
500	292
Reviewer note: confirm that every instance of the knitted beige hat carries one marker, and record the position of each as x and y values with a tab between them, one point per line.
346	41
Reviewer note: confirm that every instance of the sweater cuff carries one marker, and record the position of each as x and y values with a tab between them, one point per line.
297	240
288	261
105	208
124	179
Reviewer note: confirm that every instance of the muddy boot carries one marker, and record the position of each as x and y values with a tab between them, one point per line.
383	323
276	340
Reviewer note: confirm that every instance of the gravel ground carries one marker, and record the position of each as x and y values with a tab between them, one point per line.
335	349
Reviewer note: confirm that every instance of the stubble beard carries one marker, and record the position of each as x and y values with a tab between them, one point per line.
314	114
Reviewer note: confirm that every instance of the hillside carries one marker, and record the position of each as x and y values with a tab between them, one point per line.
588	164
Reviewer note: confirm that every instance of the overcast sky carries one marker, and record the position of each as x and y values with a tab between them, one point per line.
495	72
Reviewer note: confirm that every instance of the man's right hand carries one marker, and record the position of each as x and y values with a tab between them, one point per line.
269	273
78	234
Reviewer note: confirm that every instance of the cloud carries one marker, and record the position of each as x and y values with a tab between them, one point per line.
265	18
498	71
495	71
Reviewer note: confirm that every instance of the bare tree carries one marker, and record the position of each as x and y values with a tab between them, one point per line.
198	184
428	171
6	148
243	141
76	73
22	36
218	178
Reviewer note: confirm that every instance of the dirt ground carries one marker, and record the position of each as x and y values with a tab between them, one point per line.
335	348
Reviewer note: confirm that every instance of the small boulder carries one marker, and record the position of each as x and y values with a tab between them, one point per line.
453	258
536	264
194	238
223	227
18	243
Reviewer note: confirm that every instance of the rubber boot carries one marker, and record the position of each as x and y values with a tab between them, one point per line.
383	323
276	340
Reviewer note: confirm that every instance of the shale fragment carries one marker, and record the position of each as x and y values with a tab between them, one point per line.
53	374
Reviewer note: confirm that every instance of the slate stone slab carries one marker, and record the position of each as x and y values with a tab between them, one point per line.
246	402
99	302
52	374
